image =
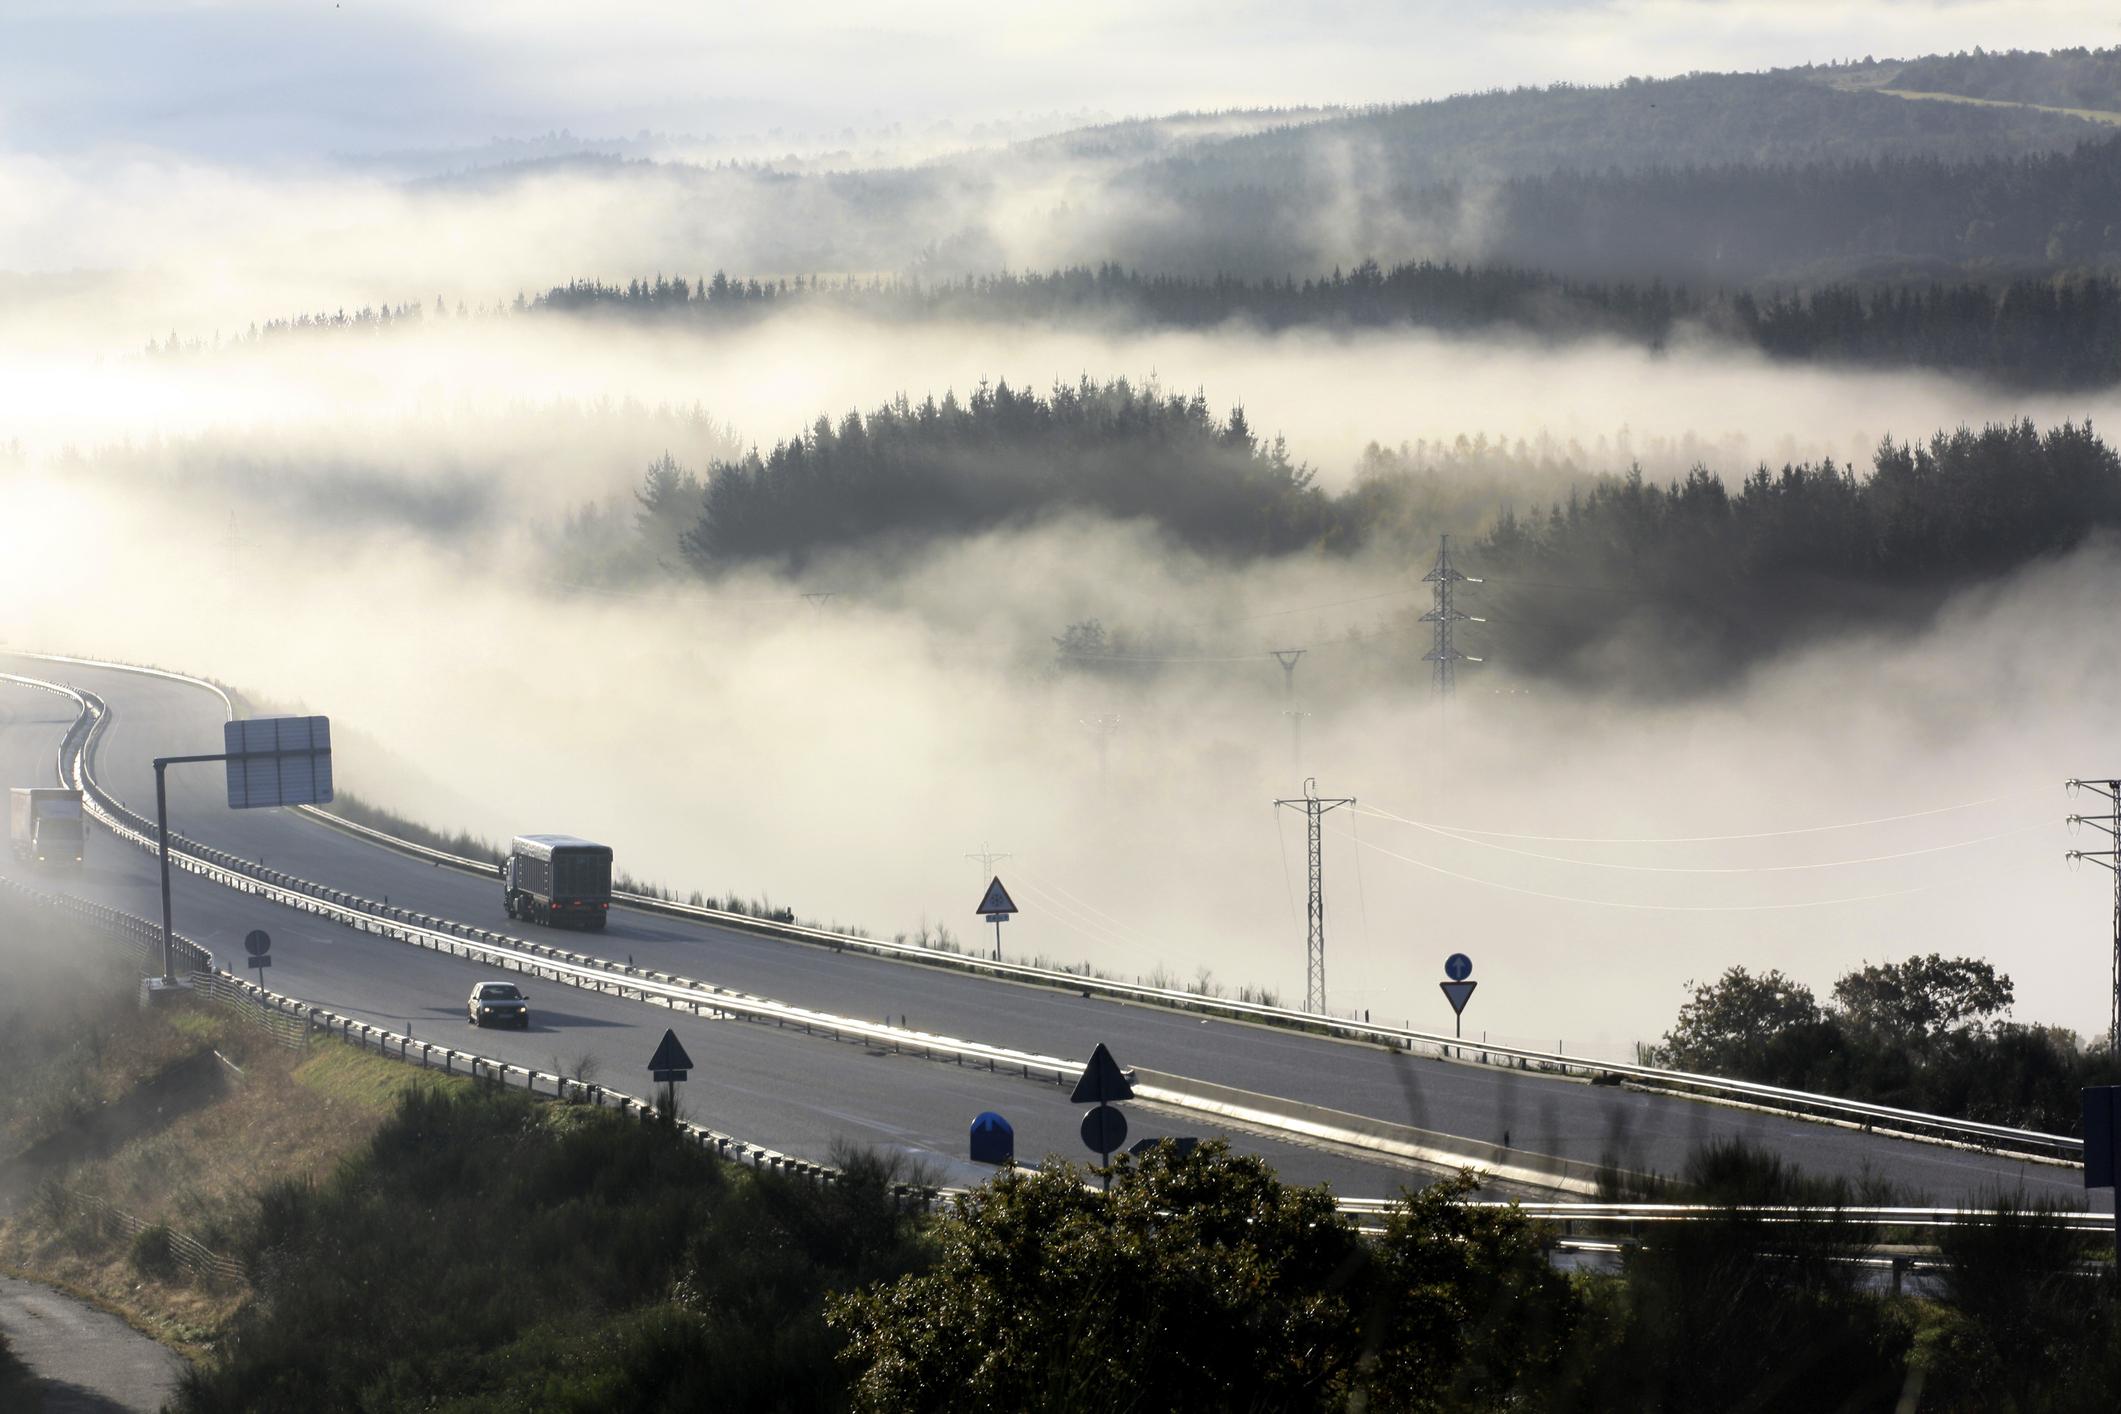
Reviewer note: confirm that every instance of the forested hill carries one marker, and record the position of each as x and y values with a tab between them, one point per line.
1698	577
2062	332
911	472
1731	223
2080	79
1848	174
1701	577
1701	120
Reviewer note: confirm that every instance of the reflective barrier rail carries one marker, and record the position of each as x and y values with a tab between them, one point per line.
1913	1124
426	930
1567	1220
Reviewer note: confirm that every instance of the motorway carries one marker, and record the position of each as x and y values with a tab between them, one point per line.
800	1093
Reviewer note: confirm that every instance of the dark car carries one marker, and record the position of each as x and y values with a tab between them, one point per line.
501	1003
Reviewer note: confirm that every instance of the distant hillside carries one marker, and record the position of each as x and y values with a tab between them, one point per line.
2077	80
1740	181
1720	178
1696	121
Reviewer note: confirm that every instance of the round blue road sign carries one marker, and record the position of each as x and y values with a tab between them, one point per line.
1104	1130
1458	967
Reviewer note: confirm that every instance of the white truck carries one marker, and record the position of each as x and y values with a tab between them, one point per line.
45	824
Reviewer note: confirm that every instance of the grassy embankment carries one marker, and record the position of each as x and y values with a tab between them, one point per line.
406	1238
111	1104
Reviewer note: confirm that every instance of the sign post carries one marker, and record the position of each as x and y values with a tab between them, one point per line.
2102	1145
1104	1128
997	906
666	1068
1459	990
258	943
271	761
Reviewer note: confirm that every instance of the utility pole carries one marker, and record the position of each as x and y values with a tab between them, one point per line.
1315	935
2109	825
1102	726
1296	736
818	598
1287	658
987	858
1443	614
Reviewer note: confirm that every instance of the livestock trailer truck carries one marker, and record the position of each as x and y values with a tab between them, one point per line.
557	880
45	824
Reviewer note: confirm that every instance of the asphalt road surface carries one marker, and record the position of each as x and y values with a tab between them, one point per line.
86	1362
799	1093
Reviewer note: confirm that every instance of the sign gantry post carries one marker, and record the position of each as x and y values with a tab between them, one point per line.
996	906
271	761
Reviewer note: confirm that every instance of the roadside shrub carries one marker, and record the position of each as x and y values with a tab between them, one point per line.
154	1255
1744	1311
2023	1324
489	1252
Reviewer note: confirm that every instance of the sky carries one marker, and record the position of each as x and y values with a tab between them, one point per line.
289	80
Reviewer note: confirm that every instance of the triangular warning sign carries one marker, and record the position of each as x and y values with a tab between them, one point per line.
997	899
1101	1083
1458	992
670	1055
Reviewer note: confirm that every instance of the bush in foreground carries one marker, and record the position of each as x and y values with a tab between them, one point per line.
491	1253
1203	1282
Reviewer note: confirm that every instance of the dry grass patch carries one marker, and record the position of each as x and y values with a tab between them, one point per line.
292	1115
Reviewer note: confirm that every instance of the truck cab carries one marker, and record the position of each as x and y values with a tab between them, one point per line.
562	881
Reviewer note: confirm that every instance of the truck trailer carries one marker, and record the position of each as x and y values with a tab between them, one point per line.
45	824
557	880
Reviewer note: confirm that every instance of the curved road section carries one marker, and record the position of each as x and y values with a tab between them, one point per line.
801	1094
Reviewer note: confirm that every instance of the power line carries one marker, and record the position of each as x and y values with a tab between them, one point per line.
1703	839
1705	869
1641	907
1076	919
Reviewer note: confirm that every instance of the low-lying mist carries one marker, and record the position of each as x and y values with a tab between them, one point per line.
842	756
471	392
379	505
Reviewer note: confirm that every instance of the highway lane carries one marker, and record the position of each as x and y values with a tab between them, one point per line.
780	1088
1543	1114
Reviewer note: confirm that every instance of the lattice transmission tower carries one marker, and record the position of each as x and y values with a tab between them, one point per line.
1315	810
2108	824
1445	614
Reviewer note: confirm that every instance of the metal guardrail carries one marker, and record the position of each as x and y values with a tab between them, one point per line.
1914	1124
294	1022
591	972
1565	1218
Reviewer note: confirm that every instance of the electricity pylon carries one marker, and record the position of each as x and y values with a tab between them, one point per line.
1315	934
1443	614
2110	859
